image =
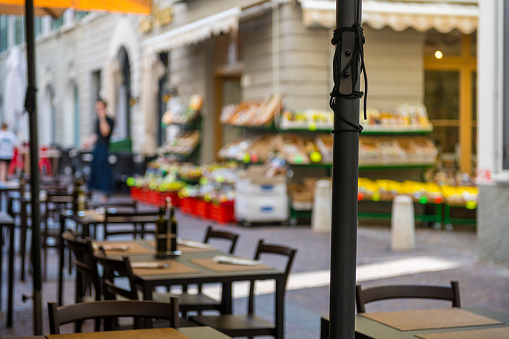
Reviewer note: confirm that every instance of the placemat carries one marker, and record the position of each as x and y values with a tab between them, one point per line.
174	268
221	267
163	333
492	333
430	319
134	248
186	249
92	214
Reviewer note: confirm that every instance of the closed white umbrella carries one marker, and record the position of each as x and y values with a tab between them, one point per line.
15	88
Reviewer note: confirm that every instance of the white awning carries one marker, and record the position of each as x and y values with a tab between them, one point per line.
398	15
194	32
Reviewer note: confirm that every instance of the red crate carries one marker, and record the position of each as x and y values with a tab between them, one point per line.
161	200
223	212
202	209
188	205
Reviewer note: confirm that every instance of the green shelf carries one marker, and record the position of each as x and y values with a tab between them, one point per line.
397	132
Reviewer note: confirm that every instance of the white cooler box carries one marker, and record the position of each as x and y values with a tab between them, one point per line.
261	208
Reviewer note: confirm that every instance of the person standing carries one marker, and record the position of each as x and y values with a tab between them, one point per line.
101	176
8	142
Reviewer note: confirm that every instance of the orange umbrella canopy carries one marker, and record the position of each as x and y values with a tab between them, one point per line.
57	7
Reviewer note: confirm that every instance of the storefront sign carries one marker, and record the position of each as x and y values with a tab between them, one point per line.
159	17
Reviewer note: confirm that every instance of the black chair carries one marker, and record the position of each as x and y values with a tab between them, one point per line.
112	269
87	275
249	325
212	234
56	200
200	302
86	266
117	222
363	297
112	308
112	204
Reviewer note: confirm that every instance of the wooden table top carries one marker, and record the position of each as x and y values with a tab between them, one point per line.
480	319
199	332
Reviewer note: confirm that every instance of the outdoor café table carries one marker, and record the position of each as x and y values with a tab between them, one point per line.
446	323
199	332
5	188
195	266
7	221
24	201
85	219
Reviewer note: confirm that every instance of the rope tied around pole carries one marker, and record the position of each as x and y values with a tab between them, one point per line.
356	54
30	99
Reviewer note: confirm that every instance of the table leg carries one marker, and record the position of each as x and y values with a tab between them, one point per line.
60	284
11	277
226	299
23	237
280	308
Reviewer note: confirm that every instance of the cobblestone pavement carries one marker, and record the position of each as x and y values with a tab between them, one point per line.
481	284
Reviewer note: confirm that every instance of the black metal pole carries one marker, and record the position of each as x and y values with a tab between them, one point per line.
345	176
30	105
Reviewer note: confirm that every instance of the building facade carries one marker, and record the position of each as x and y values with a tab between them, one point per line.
229	51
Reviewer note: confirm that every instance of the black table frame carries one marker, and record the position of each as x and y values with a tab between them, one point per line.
8	222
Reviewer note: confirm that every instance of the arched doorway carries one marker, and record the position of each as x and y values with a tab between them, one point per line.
47	117
123	108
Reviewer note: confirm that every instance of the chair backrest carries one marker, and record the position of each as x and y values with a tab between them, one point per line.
113	308
264	248
128	204
112	269
84	259
123	217
223	235
451	293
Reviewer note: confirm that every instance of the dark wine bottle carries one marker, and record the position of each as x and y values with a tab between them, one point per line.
161	233
22	181
75	190
81	198
173	230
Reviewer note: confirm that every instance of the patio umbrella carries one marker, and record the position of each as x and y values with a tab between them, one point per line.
345	96
54	8
14	91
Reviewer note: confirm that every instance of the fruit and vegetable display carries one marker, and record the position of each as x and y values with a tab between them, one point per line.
404	118
252	113
179	114
422	192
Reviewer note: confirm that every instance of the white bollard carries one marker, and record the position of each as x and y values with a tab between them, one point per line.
403	224
321	217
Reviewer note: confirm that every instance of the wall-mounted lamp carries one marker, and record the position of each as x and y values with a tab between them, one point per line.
168	92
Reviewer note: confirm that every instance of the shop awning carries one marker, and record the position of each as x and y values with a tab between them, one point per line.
399	15
194	32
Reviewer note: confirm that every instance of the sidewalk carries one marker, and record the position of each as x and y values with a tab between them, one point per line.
439	257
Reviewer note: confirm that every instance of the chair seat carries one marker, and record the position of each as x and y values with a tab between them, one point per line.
236	325
190	302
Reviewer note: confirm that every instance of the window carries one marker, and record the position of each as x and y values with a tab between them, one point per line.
38	27
57	23
19	30
4	43
450	94
80	15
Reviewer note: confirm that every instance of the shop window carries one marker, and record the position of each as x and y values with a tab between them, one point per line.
4	43
57	23
450	94
38	27
80	15
441	99
19	30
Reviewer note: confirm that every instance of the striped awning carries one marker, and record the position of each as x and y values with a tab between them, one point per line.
194	32
444	16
